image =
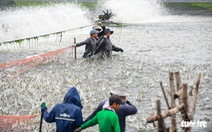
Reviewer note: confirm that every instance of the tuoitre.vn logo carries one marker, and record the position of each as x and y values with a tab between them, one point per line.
194	123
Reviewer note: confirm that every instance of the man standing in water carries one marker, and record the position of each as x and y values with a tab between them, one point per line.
105	46
67	115
106	118
90	44
100	29
125	109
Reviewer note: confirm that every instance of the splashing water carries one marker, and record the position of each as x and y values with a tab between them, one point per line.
146	61
32	21
134	11
145	11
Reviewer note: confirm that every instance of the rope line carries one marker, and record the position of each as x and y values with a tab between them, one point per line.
42	35
8	121
32	59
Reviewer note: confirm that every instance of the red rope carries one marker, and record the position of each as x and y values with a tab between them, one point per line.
6	121
36	60
32	59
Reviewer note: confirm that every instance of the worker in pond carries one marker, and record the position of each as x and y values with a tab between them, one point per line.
67	115
125	109
104	45
90	44
100	28
106	118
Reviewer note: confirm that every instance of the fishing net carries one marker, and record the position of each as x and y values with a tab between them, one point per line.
17	67
9	122
23	54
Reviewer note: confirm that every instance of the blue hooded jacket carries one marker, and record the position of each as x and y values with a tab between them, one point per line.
67	115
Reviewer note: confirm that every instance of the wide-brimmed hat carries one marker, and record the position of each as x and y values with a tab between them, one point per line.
119	92
107	30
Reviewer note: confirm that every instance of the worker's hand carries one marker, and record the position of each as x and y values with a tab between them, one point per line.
78	130
121	50
43	106
73	45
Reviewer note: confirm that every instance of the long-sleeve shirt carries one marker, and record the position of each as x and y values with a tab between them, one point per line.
67	115
124	110
107	120
90	45
106	47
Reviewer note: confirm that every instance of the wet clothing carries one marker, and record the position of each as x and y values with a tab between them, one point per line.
102	32
67	115
124	110
107	120
105	47
89	48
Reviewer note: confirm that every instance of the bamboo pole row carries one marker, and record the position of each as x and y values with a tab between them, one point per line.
181	93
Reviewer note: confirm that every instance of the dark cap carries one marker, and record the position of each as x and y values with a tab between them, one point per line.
93	31
107	30
114	99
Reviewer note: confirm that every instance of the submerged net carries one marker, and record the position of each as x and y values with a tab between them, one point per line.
9	122
14	68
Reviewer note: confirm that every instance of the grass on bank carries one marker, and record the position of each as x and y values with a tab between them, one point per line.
190	5
207	6
88	5
93	5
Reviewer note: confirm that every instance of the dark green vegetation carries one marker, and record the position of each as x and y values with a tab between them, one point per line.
195	5
32	3
207	6
92	5
88	5
192	8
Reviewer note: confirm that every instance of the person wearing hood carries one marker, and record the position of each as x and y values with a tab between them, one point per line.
90	44
125	109
105	46
68	114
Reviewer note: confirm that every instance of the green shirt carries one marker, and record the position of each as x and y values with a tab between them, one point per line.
107	119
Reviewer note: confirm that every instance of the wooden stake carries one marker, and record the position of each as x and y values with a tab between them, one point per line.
75	50
195	96
170	112
41	122
172	91
179	92
164	94
185	111
178	80
184	100
161	123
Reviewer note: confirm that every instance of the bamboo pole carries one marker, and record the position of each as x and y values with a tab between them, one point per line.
179	93
178	80
161	123
184	100
185	111
172	91
164	94
168	113
75	50
195	96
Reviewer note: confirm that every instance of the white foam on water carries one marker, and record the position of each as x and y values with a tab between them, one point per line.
134	11
33	21
146	11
